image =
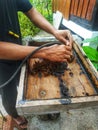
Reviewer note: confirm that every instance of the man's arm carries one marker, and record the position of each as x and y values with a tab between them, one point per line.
40	21
58	53
36	18
13	51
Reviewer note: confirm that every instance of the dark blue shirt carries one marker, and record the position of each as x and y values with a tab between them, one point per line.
9	18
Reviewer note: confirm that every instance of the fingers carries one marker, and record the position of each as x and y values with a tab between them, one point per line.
65	57
68	56
70	38
66	37
59	53
71	59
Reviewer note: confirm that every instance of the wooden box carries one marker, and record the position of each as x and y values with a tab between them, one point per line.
42	94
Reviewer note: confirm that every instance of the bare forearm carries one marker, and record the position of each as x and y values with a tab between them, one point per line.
40	21
62	35
12	51
55	53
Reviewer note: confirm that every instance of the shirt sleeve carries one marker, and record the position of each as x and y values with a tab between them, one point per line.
23	5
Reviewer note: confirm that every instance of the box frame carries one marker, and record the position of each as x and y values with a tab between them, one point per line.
54	105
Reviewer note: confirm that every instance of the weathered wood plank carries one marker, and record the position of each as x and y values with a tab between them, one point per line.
42	88
21	88
60	3
88	65
71	80
49	106
66	12
75	79
84	9
57	5
79	12
72	7
76	5
90	9
63	4
53	6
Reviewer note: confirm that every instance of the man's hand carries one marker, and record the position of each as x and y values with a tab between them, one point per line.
64	36
58	53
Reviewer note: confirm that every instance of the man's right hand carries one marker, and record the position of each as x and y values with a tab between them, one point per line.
58	53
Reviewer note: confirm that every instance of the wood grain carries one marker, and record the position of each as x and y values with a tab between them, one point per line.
47	87
53	6
66	12
90	9
72	7
79	12
85	8
76	5
43	88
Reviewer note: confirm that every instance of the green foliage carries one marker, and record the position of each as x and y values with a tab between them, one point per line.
92	54
27	28
92	40
44	7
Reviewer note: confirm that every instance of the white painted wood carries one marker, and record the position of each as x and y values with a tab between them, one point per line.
57	17
79	30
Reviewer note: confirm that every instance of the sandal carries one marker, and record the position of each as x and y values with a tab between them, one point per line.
21	122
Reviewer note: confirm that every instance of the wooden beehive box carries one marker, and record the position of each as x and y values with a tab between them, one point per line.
42	94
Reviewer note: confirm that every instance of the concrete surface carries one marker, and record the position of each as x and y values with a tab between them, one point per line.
79	119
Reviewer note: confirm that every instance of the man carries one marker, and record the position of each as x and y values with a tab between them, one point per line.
12	51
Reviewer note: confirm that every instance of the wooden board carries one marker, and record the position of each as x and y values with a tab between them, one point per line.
60	4
47	87
90	9
54	5
84	9
93	74
66	12
63	6
80	8
72	7
76	5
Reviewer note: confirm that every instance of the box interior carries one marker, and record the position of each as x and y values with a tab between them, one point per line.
40	84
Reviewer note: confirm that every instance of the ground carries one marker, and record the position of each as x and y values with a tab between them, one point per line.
78	119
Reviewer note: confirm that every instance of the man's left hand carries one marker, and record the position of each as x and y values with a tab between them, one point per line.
64	36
